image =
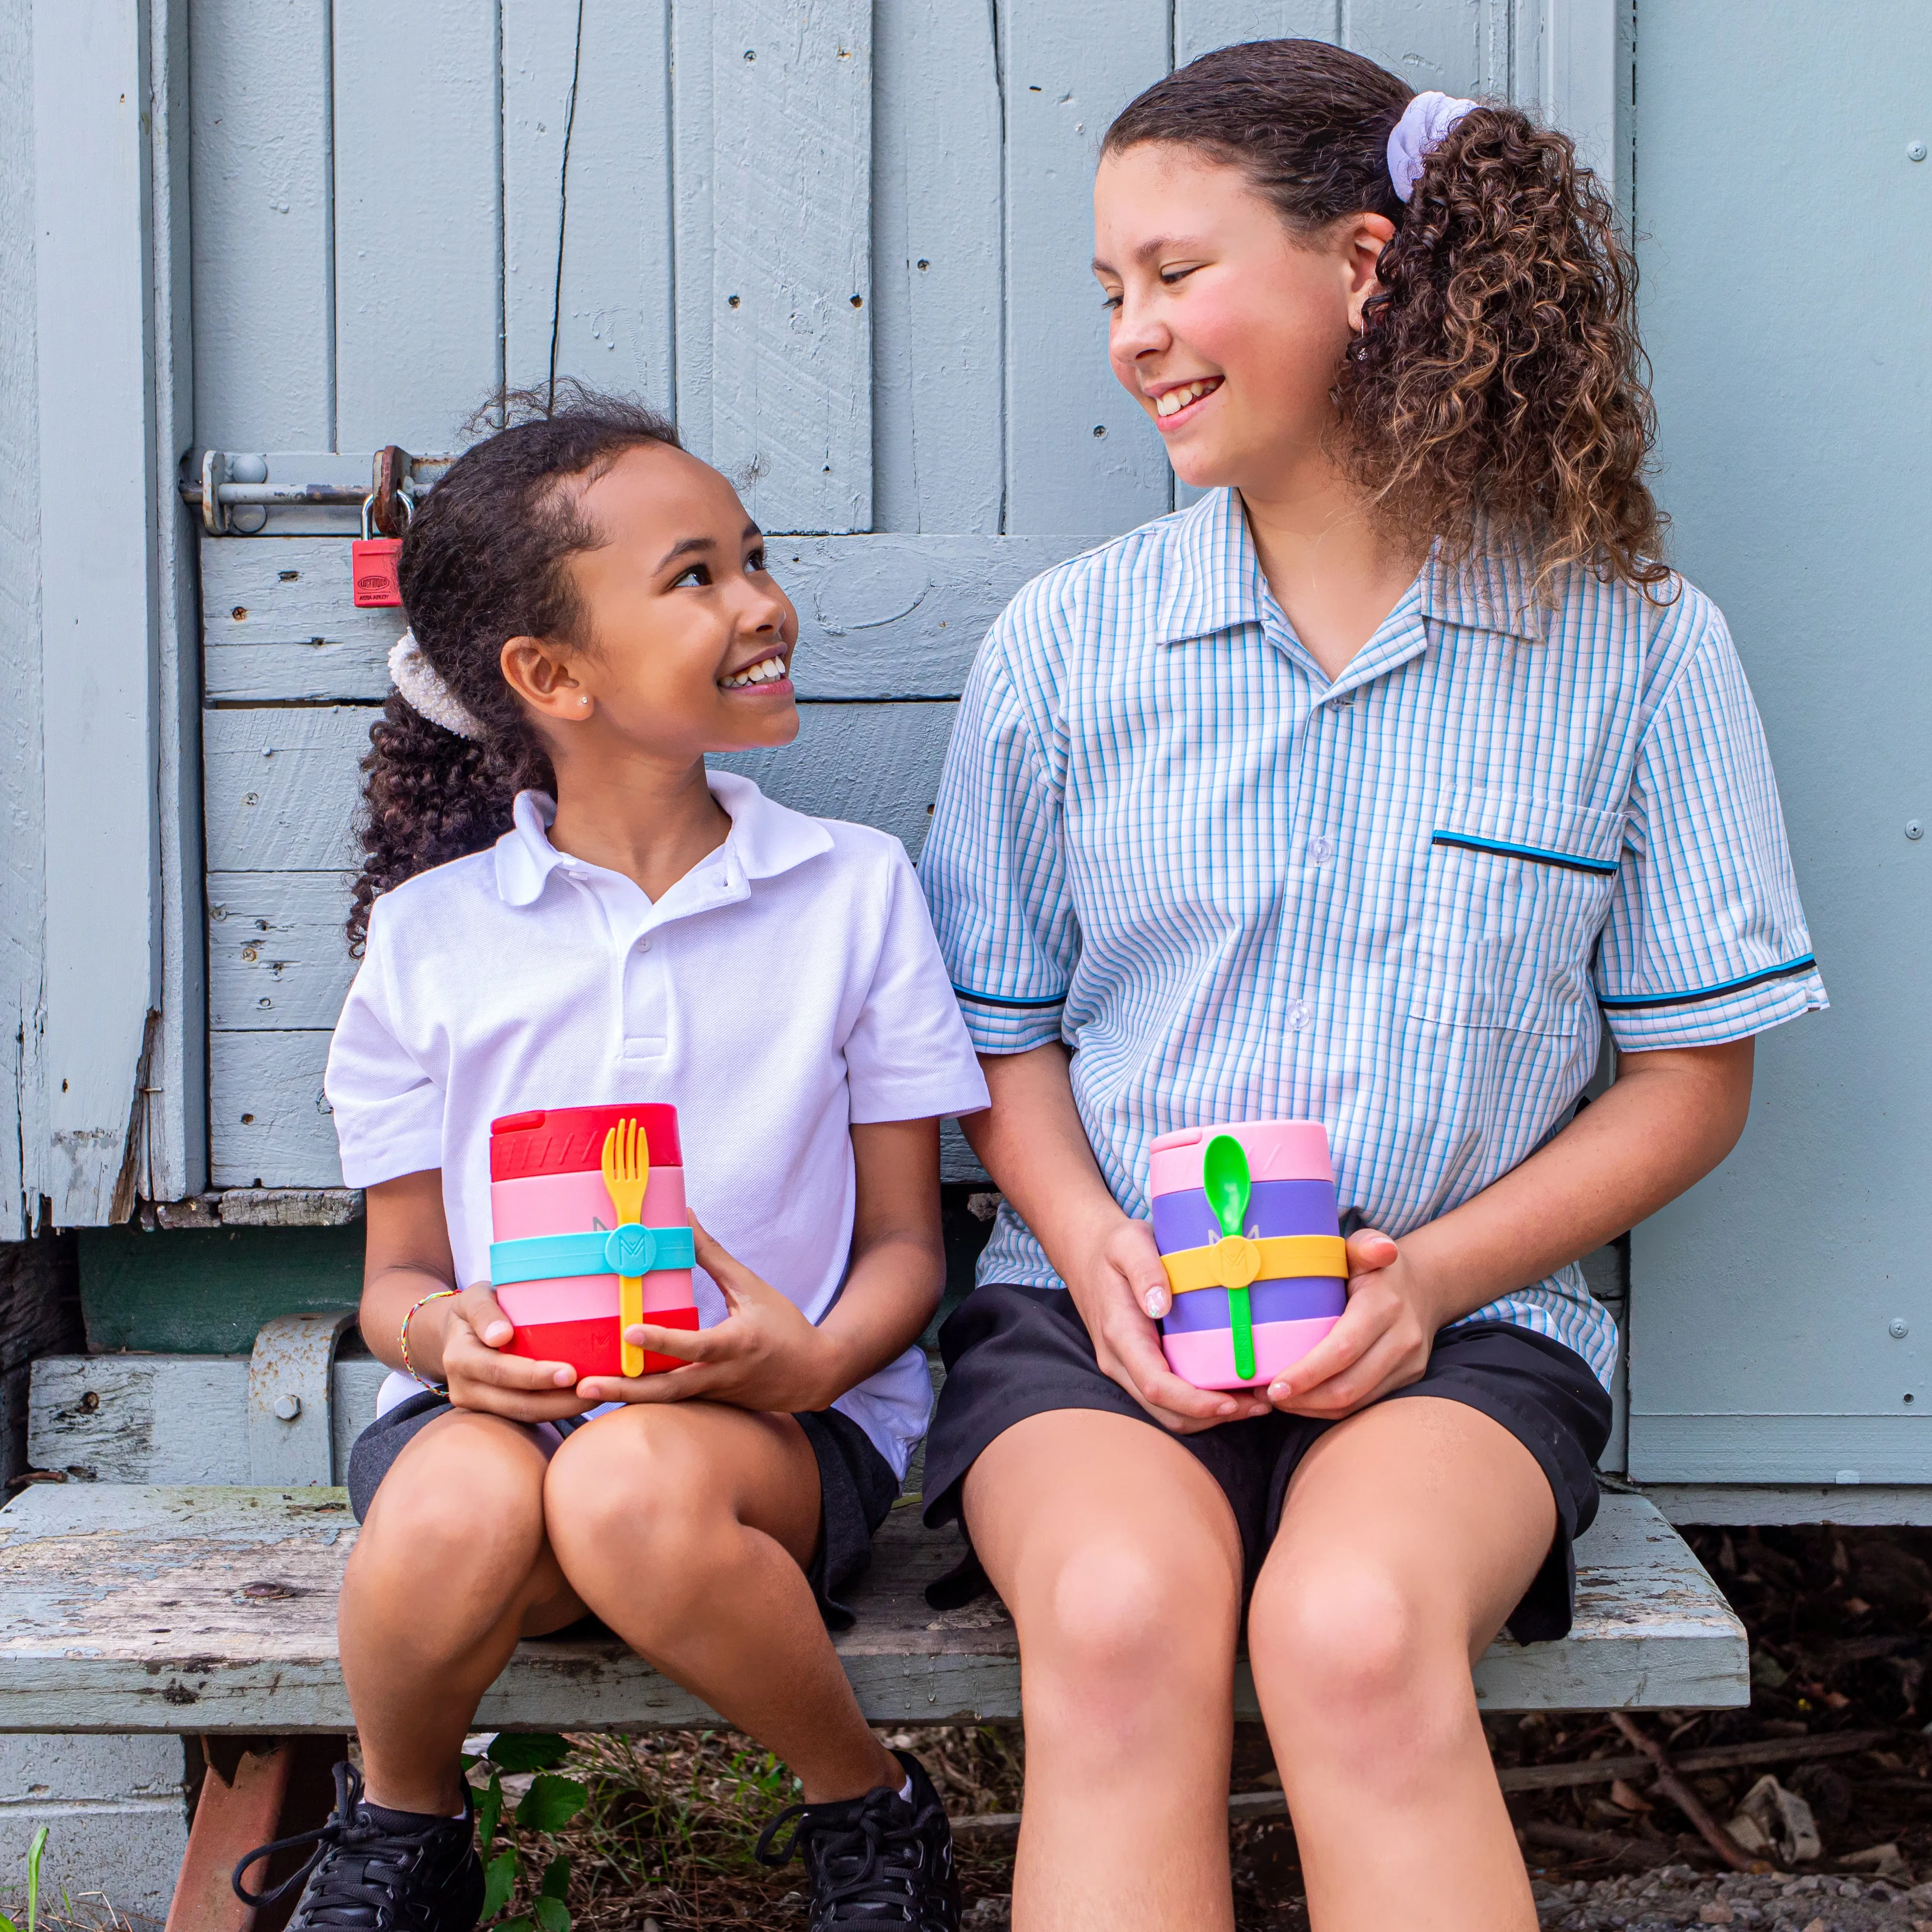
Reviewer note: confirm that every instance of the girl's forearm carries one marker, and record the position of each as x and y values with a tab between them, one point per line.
888	1297
1669	1119
1030	1141
389	1296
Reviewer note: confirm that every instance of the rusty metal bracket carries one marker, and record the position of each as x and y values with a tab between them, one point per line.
387	475
290	1440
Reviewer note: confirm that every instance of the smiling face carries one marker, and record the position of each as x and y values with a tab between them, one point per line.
1226	326
686	641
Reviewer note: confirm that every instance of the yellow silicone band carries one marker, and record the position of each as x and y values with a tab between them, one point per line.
1235	1260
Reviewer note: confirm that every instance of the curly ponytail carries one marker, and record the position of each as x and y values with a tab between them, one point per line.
486	558
1497	381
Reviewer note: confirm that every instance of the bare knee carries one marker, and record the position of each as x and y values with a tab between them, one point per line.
646	1488
460	1513
1350	1657
1118	1635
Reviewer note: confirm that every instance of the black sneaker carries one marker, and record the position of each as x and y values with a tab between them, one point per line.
876	1861
369	1873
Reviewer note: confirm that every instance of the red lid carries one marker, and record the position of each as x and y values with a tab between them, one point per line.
570	1140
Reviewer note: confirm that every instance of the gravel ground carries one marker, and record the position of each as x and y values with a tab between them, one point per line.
1676	1895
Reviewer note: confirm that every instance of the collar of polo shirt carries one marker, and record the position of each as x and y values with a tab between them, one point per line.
766	838
1219	585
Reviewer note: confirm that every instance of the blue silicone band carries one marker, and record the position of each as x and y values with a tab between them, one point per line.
628	1250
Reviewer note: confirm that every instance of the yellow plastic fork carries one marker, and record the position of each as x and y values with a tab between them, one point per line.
627	1172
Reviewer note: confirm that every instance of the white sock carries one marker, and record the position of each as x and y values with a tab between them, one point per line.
905	1790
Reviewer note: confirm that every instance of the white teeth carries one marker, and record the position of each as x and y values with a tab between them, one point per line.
764	673
1171	402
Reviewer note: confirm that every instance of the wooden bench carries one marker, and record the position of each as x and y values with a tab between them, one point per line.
209	1609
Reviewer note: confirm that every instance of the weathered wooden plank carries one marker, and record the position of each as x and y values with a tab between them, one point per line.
1847	1504
173	1159
418	215
1831	1446
25	1137
879	616
1461	46
938	427
133	1419
877	763
167	1609
693	169
269	1119
99	615
278	956
1080	452
284	788
791	405
609	311
263	226
1201	25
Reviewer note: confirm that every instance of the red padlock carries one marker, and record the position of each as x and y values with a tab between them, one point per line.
373	562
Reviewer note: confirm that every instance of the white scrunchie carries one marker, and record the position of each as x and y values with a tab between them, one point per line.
414	675
1424	121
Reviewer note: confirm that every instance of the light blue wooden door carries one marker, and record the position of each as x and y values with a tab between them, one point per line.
847	239
1781	1324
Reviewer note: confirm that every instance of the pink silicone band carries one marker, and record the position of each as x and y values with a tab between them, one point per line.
1276	1150
1206	1356
588	1297
569	1203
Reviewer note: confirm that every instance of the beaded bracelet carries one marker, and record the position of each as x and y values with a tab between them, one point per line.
409	1367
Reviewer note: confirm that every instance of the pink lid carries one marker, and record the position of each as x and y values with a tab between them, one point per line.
1276	1150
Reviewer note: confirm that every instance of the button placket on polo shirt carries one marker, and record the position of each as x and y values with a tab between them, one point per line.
647	966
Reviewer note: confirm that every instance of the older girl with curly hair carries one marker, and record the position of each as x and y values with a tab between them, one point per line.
1364	790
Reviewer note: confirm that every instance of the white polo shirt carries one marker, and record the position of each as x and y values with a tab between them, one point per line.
786	987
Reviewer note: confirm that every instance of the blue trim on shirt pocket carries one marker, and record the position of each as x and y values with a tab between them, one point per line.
1539	855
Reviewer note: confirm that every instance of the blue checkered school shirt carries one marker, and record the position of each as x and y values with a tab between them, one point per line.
1403	904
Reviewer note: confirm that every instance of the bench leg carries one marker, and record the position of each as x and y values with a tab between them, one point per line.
255	1789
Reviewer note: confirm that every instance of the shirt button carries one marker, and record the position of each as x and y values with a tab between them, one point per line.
1299	1014
1347	698
644	945
1320	850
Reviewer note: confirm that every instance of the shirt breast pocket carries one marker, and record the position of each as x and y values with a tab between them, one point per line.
1518	888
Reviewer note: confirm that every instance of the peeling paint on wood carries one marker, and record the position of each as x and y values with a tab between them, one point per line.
159	1609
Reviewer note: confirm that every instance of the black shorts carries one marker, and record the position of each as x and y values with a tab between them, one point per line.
857	1488
1011	1352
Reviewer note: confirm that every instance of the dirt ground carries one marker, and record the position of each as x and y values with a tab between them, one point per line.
1841	1623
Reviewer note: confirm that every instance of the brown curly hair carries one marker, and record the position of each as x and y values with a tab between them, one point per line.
1498	383
486	558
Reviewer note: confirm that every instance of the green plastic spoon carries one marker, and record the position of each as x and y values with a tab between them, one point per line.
1224	1172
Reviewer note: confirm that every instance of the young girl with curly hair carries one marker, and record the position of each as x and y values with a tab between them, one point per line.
560	907
1364	790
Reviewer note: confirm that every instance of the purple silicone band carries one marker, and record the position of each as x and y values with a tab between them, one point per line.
1299	1300
1183	1219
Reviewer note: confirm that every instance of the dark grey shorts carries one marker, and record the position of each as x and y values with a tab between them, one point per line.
1011	1352
856	1488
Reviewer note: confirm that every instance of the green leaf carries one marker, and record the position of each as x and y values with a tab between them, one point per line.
7	1924
537	1751
521	1923
557	1877
489	1813
36	1846
550	1803
499	1880
552	1916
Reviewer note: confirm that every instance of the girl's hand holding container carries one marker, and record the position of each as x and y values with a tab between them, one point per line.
763	1355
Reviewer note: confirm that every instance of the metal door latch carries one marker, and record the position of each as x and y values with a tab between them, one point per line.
230	481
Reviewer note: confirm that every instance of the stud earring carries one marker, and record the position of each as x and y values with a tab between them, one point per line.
585	699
